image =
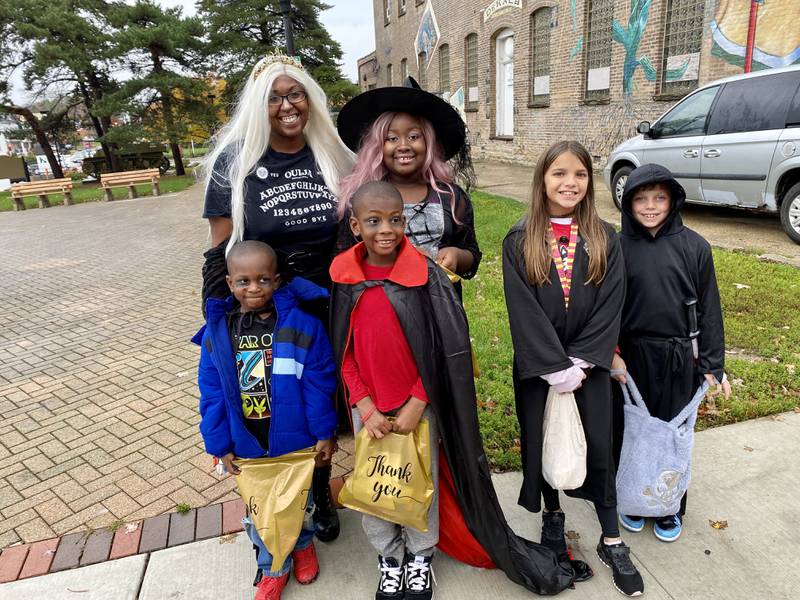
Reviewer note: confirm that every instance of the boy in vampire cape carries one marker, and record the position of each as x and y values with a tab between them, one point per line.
435	328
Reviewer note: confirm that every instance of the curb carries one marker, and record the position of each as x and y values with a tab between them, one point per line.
139	537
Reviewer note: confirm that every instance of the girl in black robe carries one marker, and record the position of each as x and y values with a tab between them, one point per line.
564	286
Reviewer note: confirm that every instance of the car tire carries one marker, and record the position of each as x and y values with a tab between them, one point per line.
790	213
618	184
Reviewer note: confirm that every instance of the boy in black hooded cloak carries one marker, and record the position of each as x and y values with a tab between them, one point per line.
670	279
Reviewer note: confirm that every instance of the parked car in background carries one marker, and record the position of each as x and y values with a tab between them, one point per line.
734	142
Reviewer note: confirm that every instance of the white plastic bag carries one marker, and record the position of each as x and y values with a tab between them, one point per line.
563	442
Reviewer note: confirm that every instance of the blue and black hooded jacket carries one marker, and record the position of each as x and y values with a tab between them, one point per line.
303	379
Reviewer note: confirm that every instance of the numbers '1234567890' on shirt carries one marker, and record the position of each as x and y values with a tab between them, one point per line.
287	204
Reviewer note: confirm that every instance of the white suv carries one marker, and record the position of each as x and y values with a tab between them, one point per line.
733	142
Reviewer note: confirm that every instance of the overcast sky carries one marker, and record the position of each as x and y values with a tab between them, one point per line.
349	22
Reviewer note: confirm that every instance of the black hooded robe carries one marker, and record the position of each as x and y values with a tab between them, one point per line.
663	271
545	334
437	332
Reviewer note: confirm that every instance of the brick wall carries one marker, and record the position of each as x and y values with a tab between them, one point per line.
600	126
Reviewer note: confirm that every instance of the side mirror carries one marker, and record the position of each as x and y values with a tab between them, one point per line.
644	128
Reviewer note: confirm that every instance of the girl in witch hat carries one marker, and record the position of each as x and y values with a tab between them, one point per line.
417	142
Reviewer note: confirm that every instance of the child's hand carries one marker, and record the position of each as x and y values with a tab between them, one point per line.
448	258
408	417
325	450
617	364
716	388
227	460
377	425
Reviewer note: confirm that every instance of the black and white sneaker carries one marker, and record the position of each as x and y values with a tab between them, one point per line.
390	587
418	577
626	577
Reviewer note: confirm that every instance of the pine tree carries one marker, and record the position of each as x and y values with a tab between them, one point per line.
243	31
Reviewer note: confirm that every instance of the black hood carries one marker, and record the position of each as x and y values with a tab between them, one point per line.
649	175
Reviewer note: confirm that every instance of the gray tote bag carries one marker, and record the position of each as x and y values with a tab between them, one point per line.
656	461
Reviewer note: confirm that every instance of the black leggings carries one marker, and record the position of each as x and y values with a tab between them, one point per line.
606	515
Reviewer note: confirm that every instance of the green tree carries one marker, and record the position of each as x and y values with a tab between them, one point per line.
162	50
64	50
242	31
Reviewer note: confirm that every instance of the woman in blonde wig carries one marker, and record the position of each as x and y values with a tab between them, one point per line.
273	177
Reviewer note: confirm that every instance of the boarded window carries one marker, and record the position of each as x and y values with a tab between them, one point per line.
389	77
682	41
444	68
471	70
422	61
598	48
540	56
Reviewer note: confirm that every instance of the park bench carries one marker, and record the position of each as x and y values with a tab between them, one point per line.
41	189
130	179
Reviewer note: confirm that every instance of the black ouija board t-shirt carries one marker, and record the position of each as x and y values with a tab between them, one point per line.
251	337
287	205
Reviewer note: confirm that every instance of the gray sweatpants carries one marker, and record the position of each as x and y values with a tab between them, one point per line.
391	539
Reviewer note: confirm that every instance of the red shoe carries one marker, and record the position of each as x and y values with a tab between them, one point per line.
271	588
306	566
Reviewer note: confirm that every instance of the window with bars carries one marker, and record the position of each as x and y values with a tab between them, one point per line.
598	48
389	75
403	71
444	68
422	63
540	56
683	37
401	7
471	71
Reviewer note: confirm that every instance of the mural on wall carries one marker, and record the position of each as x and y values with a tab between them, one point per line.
765	32
630	37
576	49
427	35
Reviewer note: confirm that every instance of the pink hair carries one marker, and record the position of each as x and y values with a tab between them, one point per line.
369	163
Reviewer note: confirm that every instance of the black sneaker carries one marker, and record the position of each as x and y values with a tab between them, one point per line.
390	587
326	521
418	577
626	577
553	534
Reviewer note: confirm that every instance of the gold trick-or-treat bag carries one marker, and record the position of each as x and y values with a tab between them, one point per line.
392	477
276	492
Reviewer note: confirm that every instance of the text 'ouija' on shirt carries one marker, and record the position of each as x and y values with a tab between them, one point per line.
287	204
252	339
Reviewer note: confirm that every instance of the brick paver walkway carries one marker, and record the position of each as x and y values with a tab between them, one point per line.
98	398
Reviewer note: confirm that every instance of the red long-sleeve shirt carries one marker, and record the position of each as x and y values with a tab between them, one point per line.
378	362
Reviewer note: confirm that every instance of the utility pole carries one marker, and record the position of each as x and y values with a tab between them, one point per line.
286	8
751	35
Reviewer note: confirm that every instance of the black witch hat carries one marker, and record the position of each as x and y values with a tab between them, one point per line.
358	115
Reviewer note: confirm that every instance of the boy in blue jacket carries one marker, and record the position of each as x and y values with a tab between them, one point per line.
267	381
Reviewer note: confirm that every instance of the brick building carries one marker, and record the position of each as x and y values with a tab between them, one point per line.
531	72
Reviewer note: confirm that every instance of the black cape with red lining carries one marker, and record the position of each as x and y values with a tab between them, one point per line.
435	325
545	335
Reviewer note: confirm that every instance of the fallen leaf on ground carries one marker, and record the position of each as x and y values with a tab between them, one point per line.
741	286
573	535
748	449
718	524
228	539
131	527
797	409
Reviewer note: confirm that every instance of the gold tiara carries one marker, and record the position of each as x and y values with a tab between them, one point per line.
271	59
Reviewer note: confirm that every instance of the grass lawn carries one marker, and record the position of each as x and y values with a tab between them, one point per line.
91	192
762	326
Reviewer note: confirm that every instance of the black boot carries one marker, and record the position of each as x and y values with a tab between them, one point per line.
326	521
553	538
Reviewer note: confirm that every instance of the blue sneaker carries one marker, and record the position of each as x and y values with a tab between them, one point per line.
668	529
631	523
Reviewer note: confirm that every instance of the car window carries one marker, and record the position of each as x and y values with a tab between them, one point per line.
689	116
754	104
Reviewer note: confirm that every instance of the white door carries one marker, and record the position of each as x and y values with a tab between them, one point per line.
505	83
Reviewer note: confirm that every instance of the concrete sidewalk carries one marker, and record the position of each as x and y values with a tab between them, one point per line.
746	478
